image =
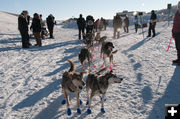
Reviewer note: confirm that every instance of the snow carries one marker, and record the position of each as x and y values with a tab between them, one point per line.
30	79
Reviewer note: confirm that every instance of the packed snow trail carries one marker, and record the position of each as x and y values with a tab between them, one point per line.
30	79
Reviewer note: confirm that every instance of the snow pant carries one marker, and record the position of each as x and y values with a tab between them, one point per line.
126	29
117	30
37	36
177	43
152	27
80	30
136	27
25	39
51	32
89	29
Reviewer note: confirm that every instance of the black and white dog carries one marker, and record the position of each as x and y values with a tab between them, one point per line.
88	39
99	85
107	51
86	55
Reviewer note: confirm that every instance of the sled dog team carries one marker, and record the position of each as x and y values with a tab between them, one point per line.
96	83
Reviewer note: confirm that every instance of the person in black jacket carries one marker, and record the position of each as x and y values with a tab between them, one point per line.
50	20
89	24
28	19
23	29
81	25
36	27
152	24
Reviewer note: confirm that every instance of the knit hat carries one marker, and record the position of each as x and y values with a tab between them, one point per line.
24	12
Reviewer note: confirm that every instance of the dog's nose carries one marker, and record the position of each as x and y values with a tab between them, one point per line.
83	83
80	87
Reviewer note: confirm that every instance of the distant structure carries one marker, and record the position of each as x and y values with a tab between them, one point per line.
129	13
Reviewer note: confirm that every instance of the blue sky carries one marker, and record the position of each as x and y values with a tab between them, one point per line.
64	9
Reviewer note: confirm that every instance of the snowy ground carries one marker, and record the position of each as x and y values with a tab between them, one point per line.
30	79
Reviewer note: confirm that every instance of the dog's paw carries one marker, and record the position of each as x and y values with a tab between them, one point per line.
89	111
94	66
103	110
69	111
110	68
87	102
81	102
102	66
63	102
79	110
101	98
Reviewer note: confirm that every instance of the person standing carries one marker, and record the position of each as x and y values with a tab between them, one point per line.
89	24
96	24
176	34
81	25
50	23
105	22
117	23
136	24
36	27
152	24
126	24
23	29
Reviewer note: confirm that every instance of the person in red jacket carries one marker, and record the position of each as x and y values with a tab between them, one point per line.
176	34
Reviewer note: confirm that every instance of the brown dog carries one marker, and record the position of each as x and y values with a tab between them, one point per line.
107	51
97	37
72	82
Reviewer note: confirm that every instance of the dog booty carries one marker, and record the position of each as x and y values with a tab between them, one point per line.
63	102
102	66
114	65
110	68
89	111
78	110
102	110
94	66
69	111
100	56
80	102
87	102
101	98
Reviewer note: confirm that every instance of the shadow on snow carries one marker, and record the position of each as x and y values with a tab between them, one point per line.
34	98
171	96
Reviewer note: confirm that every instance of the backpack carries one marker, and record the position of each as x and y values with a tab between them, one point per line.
90	23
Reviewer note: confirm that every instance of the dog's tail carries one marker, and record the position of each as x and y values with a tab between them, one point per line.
73	67
100	71
114	52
